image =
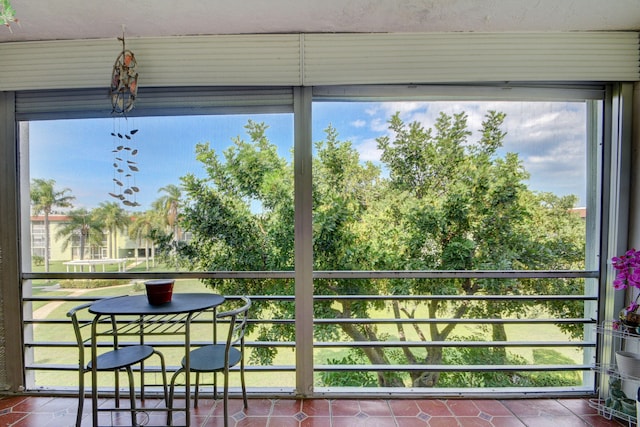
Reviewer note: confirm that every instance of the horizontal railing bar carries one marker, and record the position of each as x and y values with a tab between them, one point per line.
371	321
155	369
455	344
95	298
455	274
372	298
345	344
367	368
177	344
457	297
346	274
165	275
448	321
450	368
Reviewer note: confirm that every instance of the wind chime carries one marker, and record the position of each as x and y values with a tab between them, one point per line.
7	14
123	91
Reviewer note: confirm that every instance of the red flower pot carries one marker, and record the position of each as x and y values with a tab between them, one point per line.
159	291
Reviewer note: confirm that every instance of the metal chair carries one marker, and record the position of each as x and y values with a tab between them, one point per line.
220	356
120	358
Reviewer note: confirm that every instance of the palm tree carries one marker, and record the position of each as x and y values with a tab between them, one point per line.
115	219
169	206
84	225
141	228
44	198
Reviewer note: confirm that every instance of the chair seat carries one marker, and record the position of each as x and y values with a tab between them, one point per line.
125	356
210	358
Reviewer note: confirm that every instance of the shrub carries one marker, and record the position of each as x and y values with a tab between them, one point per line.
91	283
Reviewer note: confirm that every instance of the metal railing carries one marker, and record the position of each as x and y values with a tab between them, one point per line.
336	356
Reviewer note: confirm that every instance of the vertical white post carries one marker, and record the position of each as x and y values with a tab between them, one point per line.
303	241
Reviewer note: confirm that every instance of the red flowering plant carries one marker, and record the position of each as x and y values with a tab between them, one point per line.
627	268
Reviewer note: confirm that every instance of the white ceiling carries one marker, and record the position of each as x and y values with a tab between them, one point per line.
81	19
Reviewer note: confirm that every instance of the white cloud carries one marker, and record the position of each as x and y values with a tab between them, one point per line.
549	137
368	150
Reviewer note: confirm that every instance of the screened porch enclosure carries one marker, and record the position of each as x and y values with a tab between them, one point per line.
392	243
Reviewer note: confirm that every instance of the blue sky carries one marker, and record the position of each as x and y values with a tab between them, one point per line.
77	154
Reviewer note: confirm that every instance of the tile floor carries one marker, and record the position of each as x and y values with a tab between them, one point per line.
59	412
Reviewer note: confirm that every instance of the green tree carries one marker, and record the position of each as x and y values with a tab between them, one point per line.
115	219
82	228
448	203
44	199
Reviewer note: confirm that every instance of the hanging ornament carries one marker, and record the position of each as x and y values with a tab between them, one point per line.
7	14
123	91
124	81
125	167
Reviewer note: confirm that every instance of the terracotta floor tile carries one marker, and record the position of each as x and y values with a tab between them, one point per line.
345	408
473	422
258	407
236	406
375	408
311	422
37	420
286	407
42	411
363	422
492	407
288	422
507	422
211	422
434	407
549	420
31	405
443	422
58	404
253	422
11	418
463	408
411	422
578	406
600	421
404	408
536	407
316	407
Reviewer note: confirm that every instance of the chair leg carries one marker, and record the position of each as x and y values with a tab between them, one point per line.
164	375
116	373
244	387
196	394
215	385
171	393
80	397
226	397
132	396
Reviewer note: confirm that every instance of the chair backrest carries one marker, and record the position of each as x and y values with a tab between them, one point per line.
82	329
237	319
79	328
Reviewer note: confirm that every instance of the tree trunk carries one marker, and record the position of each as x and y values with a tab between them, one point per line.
375	355
428	378
499	334
46	241
146	254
